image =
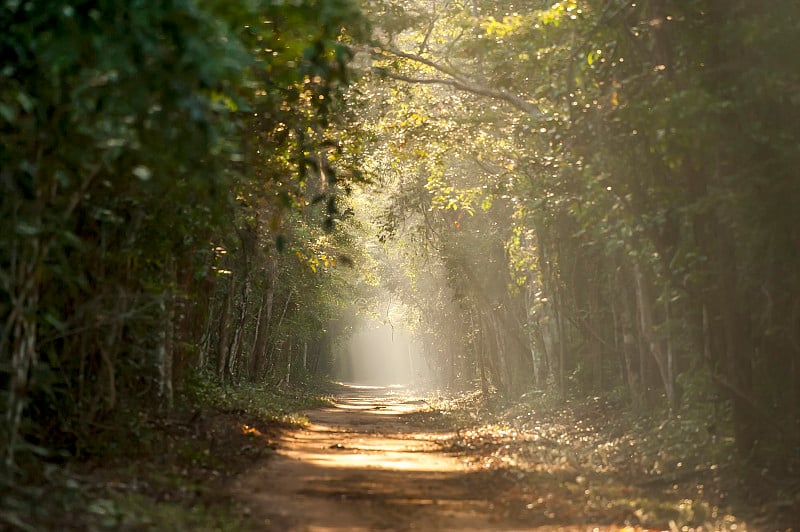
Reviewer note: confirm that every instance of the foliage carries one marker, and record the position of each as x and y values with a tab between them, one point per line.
582	198
605	187
154	159
586	460
170	472
279	406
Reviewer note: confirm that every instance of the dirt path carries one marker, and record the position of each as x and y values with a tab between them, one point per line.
369	463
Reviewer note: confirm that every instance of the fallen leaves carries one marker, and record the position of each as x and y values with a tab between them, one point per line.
582	463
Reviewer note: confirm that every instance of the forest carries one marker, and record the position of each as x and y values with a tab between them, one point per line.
562	204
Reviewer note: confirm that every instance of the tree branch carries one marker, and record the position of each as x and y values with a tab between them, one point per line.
467	86
453	73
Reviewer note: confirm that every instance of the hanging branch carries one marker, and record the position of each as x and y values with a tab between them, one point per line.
456	80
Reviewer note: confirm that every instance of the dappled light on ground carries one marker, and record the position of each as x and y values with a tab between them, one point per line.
381	460
364	465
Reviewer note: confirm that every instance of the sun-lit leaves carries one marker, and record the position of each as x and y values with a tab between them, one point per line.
621	203
560	12
500	28
315	261
585	462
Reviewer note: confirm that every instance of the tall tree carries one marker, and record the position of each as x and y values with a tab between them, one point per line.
148	153
635	160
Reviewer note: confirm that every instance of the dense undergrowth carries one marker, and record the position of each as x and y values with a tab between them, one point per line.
593	460
160	472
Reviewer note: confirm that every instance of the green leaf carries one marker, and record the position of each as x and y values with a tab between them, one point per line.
25	101
26	229
7	112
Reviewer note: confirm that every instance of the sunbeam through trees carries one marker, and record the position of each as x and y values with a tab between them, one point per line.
569	229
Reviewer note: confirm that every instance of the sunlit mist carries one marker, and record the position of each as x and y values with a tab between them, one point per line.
380	354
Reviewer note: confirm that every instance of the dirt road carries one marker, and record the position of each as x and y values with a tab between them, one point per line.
370	463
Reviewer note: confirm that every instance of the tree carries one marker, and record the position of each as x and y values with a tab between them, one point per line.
113	246
636	161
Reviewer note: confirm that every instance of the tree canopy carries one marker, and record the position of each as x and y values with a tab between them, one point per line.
578	198
156	160
608	189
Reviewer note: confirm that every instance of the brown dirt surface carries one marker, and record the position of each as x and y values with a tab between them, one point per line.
372	462
386	459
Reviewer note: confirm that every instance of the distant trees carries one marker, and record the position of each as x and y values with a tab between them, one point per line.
611	189
159	162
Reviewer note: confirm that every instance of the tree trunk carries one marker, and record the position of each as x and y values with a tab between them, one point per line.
263	325
501	355
738	351
490	355
531	327
670	354
274	360
223	337
289	363
165	353
478	348
207	339
545	343
562	346
633	367
237	345
642	284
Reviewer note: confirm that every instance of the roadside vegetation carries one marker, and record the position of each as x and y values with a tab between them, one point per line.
162	472
588	205
585	462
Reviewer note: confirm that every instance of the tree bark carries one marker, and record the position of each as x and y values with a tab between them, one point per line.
237	346
645	300
165	353
633	368
263	325
479	355
223	337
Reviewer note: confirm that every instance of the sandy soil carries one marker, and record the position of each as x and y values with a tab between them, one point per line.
369	463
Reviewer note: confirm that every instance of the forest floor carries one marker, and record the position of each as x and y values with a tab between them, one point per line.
384	458
381	459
